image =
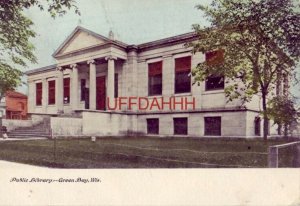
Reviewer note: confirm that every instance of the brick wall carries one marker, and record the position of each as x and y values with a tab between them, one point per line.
16	105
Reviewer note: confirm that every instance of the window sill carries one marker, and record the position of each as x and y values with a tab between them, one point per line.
182	94
216	91
208	135
154	96
51	105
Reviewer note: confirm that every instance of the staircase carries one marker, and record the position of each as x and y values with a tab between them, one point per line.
36	131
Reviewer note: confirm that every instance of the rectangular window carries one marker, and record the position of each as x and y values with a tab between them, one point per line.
116	86
257	126
153	126
66	90
82	89
51	92
155	78
38	93
216	57
212	126
182	75
180	126
214	83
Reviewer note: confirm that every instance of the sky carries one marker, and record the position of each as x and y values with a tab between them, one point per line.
132	21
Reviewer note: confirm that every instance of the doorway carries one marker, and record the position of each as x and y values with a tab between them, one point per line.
100	93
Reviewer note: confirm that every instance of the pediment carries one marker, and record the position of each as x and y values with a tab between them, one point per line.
80	39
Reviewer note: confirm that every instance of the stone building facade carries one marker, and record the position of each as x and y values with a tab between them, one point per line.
93	70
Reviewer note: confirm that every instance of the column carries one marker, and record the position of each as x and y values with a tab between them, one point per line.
168	73
111	79
31	96
60	90
44	95
132	73
74	87
286	85
92	85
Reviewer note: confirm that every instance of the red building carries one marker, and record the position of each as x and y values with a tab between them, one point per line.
16	105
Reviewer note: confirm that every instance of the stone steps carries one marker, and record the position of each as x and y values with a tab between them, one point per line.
40	130
28	132
22	136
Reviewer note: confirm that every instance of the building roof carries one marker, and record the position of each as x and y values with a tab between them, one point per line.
15	94
140	47
79	28
41	69
168	41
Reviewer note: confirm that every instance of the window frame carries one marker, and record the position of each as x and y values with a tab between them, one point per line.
159	75
39	94
215	57
178	70
116	92
257	126
215	88
51	92
175	129
210	133
82	87
68	87
148	120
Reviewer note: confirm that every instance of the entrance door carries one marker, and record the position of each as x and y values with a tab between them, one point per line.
100	93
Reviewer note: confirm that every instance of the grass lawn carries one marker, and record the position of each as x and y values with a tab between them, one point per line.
142	152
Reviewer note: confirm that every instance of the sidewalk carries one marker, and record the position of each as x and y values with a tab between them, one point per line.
23	139
15	165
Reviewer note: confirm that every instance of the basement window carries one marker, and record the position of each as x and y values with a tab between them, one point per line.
212	126
153	126
257	121
180	126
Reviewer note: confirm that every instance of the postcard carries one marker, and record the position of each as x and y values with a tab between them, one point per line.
127	102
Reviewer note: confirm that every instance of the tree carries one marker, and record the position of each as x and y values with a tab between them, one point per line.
283	112
10	79
260	40
16	51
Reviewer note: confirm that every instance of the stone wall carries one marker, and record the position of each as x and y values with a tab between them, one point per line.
34	119
233	124
95	123
66	126
12	124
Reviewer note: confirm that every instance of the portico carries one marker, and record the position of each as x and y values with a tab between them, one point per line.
99	83
87	64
